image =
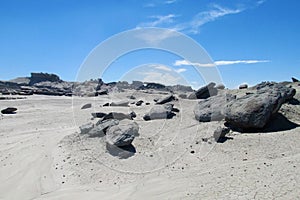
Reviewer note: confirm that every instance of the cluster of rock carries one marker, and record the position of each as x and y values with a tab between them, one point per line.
250	111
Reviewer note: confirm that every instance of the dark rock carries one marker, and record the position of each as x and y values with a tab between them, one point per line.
86	106
243	86
98	114
43	77
106	104
139	103
131	97
119	116
211	109
156	86
122	135
147	103
204	92
183	96
295	80
99	130
254	111
167	99
9	110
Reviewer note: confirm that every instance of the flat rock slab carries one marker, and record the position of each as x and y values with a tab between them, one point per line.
122	135
9	110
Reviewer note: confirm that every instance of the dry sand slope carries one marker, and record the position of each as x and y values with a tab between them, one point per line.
42	155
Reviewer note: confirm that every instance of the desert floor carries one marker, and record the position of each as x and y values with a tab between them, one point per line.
43	156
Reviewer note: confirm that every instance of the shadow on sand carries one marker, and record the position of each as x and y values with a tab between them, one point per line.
121	152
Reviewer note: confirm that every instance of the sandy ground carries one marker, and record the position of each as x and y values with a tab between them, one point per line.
42	155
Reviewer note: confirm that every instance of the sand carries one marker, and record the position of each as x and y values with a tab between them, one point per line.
43	156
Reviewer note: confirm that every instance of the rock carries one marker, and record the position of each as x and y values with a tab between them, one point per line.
167	99
99	130
84	129
86	106
120	103
43	77
220	87
147	104
253	111
155	86
106	104
183	96
220	133
9	110
102	92
243	86
159	112
122	135
131	97
204	92
98	114
139	103
119	116
295	80
211	109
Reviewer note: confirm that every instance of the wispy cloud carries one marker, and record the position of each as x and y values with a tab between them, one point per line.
154	37
207	16
170	1
180	70
218	63
158	20
232	62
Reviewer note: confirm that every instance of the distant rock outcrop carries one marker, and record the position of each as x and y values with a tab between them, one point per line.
295	80
43	77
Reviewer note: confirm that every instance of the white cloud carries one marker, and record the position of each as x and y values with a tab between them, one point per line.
208	16
232	62
158	20
154	37
162	67
180	70
186	62
170	1
218	63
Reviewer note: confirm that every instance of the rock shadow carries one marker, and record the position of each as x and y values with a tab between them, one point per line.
278	122
121	152
224	139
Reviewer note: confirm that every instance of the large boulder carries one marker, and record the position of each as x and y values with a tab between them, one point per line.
253	111
204	92
99	129
160	112
122	135
295	80
243	86
211	109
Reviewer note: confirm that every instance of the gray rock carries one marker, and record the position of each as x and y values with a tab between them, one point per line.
204	92
119	116
220	87
98	114
9	110
120	103
253	111
211	109
243	86
183	96
122	135
99	130
84	129
86	106
167	99
220	133
160	112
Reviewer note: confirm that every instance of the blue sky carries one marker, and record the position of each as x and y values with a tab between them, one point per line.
249	40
